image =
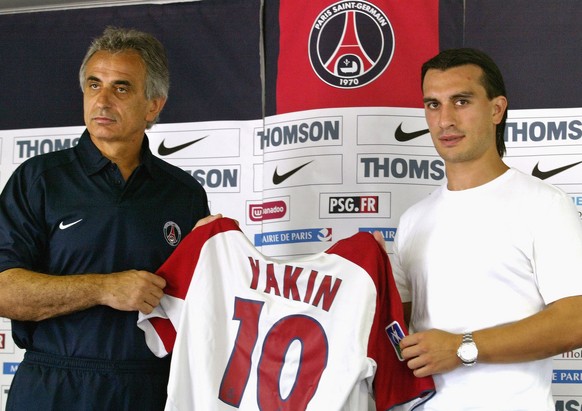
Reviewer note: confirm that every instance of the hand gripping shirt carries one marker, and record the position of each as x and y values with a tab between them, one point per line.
254	333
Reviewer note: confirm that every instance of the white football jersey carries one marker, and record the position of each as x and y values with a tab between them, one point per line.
251	332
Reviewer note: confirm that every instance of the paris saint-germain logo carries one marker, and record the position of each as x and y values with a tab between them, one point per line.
172	233
351	43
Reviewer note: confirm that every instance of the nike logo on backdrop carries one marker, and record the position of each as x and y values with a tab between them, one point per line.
279	178
403	136
542	175
64	226
166	151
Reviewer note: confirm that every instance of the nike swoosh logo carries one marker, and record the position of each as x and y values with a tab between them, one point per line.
403	136
166	151
279	178
542	175
64	226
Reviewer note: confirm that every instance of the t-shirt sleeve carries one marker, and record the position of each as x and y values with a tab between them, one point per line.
557	250
401	281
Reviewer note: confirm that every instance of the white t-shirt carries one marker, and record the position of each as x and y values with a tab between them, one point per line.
486	256
256	333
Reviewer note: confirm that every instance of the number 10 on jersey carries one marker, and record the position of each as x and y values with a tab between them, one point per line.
303	329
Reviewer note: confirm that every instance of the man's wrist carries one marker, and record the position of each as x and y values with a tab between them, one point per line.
467	351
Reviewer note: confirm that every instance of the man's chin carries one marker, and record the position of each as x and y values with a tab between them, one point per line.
102	130
103	137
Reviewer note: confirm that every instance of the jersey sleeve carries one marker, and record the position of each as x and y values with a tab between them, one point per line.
160	326
395	386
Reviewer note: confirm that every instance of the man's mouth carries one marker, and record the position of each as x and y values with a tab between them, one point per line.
104	120
450	139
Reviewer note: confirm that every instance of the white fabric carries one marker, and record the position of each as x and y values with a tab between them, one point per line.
216	279
482	257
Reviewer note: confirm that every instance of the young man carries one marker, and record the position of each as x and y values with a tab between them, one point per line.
489	265
82	231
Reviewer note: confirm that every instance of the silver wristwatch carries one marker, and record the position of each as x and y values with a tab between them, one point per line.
467	351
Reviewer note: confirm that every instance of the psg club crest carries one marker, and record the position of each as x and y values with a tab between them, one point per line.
172	233
351	43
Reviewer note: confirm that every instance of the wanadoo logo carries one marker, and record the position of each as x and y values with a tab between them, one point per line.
279	178
404	136
542	175
270	210
351	43
166	151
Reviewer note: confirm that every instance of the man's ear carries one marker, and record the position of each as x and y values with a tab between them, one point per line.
155	107
499	108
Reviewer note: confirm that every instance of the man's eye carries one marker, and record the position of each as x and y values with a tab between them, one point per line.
122	90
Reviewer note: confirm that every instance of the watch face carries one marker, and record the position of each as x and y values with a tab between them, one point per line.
468	352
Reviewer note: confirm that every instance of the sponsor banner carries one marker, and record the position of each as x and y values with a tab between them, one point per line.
354	205
304	235
28	143
302	171
400	169
406	128
20	145
567	376
548	144
547	129
303	133
559	170
568	402
268	210
570	355
217	178
567	372
195	143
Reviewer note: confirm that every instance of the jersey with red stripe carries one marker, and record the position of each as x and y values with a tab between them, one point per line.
252	332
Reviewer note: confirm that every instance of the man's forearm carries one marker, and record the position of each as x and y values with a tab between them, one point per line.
29	296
